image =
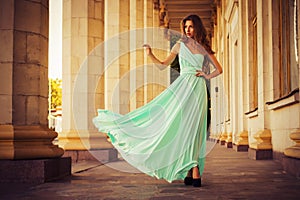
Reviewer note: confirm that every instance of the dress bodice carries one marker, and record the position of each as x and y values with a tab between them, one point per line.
189	62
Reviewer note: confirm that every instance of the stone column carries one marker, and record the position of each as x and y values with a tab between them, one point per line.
217	89
116	51
161	78
223	136
242	144
261	147
148	37
83	25
240	140
232	18
291	163
24	132
137	55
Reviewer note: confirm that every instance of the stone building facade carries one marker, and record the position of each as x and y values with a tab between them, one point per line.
255	102
257	43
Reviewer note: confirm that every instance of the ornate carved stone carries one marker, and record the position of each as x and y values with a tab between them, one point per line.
261	149
242	143
163	16
223	138
294	151
228	140
263	140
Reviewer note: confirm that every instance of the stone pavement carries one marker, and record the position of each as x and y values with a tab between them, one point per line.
227	175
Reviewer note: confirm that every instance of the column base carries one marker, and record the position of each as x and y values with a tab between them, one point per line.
228	144
101	155
291	166
34	171
222	142
240	148
260	154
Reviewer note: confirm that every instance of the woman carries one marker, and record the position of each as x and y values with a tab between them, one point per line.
166	137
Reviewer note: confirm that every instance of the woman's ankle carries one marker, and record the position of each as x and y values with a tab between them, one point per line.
196	174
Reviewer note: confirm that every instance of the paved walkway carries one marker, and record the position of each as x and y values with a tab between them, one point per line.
228	175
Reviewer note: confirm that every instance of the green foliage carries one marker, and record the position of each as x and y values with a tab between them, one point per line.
55	92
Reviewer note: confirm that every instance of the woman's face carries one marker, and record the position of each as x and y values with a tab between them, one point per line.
189	28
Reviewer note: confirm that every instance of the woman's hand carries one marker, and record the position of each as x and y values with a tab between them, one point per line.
201	73
148	49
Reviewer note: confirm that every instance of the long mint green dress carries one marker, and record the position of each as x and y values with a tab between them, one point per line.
166	137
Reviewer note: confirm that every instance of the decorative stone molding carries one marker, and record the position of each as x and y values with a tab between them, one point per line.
163	15
252	113
294	151
223	138
87	145
290	99
28	142
263	140
262	148
228	140
71	140
242	138
83	140
241	143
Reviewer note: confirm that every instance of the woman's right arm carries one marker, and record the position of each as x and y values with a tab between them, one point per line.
161	64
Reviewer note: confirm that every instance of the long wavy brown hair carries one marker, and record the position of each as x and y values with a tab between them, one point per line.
200	34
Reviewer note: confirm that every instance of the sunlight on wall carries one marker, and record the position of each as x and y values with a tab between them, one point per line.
55	39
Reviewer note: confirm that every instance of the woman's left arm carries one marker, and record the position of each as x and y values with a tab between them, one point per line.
216	72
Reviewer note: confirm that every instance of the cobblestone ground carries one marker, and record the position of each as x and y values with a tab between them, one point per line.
227	175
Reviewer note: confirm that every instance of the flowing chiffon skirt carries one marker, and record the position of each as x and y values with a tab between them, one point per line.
166	137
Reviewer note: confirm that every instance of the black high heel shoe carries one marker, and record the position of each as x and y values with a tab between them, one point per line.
188	180
197	182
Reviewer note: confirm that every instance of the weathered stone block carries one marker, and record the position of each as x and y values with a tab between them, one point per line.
239	148
32	110
26	79
79	9
6	109
260	154
83	27
34	171
44	52
6	40
6	78
44	20
91	9
27	16
94	27
101	155
99	10
44	83
228	144
43	110
6	10
19	110
20	46
34	48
